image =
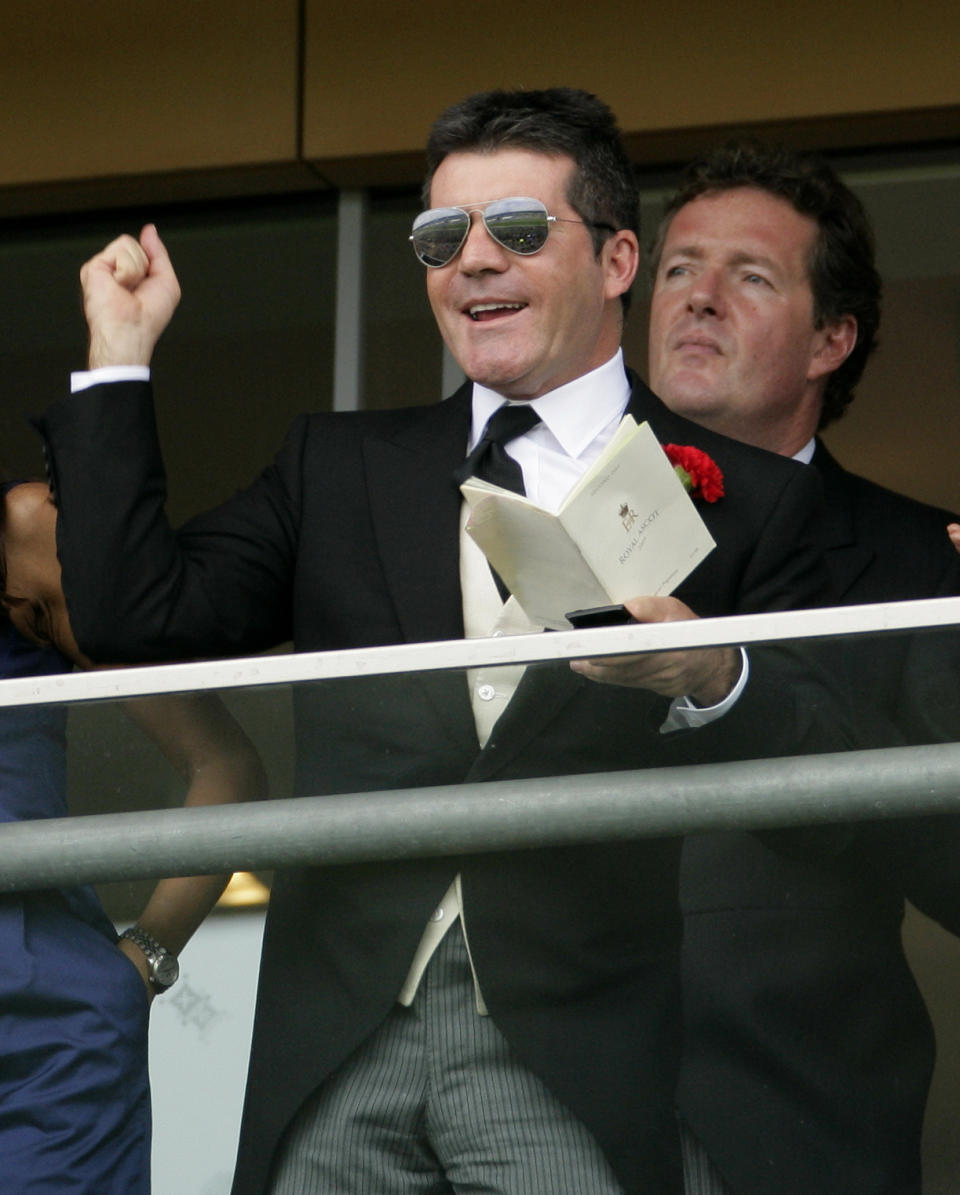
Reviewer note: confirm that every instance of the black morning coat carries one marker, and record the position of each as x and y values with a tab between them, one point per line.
350	538
808	1049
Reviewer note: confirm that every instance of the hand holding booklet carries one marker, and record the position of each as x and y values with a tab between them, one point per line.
627	528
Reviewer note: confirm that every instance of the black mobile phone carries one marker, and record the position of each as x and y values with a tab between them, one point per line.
600	616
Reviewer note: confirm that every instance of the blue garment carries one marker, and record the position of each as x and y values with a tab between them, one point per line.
74	1093
32	739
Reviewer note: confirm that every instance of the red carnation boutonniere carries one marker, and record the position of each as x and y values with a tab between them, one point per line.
700	473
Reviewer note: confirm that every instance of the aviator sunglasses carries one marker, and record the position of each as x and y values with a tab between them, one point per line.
518	223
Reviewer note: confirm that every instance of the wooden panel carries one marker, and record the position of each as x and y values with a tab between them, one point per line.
112	88
376	75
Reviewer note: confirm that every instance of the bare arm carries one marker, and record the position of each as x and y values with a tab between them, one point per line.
196	733
207	746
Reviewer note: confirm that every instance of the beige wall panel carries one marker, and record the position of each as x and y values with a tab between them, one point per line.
377	74
104	87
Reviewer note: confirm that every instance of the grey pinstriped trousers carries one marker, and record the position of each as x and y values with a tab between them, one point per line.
700	1176
435	1103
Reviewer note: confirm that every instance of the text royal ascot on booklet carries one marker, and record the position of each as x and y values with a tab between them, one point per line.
627	528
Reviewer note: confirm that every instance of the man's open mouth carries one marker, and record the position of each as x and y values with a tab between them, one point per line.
487	311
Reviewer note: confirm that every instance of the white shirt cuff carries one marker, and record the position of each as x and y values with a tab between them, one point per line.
684	715
82	379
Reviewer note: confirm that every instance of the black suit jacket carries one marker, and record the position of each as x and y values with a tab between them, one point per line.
351	539
808	1049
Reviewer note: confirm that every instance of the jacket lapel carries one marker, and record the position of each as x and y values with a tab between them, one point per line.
415	506
846	558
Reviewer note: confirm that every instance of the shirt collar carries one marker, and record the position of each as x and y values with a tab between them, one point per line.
805	455
575	413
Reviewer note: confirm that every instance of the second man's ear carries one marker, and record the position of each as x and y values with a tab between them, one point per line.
838	338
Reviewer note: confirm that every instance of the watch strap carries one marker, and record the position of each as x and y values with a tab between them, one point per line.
163	966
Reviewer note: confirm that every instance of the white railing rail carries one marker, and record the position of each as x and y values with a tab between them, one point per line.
745	629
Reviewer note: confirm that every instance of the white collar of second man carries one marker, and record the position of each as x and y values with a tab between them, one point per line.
575	413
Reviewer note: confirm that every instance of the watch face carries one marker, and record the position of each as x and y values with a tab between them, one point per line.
166	971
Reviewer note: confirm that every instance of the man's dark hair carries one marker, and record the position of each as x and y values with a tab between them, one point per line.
555	121
843	276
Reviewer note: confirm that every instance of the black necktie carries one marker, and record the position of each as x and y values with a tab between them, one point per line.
490	462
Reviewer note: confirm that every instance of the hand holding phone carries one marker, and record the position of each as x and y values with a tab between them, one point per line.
600	616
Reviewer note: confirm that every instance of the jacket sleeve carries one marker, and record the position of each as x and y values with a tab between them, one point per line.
139	590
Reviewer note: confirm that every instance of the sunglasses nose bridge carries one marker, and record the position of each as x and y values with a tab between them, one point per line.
479	241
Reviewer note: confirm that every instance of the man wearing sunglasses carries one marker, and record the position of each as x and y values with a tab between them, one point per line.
500	1022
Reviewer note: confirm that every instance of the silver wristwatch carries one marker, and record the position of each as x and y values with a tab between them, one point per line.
163	966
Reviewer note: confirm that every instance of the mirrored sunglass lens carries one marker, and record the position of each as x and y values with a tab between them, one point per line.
520	225
438	234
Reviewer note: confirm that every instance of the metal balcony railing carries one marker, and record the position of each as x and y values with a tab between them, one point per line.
491	816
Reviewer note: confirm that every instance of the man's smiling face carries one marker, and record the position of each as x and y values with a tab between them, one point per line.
524	325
